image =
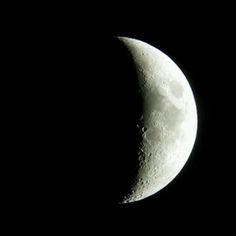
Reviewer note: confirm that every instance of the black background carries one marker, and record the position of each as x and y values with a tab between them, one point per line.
72	126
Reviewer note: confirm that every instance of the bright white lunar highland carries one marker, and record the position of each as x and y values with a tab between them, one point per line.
168	123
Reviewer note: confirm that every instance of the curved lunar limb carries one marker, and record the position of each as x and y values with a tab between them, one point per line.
168	124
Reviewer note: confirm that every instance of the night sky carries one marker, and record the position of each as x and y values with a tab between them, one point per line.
77	109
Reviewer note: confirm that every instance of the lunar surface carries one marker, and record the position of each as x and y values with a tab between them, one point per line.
168	124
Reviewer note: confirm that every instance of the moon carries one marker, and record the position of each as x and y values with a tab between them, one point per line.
168	124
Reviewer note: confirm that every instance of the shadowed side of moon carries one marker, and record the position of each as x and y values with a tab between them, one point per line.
87	140
90	115
100	146
121	109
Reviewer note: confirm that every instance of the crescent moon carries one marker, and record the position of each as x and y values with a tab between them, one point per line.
169	121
